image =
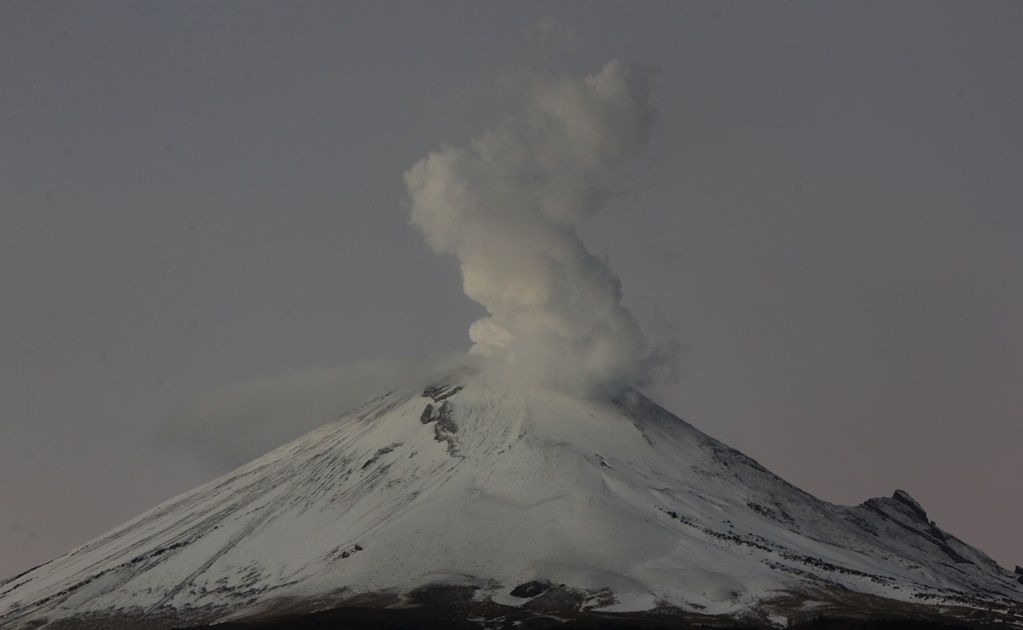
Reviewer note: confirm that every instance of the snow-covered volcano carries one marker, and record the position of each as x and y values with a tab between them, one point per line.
514	500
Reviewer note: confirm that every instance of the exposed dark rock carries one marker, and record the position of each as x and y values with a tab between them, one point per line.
769	512
558	598
451	597
530	589
445	427
446	430
441	392
346	553
903	511
862	523
453	610
903	497
1019	570
381	451
444	420
823	622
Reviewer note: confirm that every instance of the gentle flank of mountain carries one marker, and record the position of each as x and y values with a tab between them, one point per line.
480	504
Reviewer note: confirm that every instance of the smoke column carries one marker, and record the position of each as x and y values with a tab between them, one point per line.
508	206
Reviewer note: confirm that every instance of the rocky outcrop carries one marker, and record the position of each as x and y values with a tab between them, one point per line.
445	429
530	589
904	512
915	508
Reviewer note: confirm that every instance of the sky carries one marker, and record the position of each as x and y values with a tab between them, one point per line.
206	201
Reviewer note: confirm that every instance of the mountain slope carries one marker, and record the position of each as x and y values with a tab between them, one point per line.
518	497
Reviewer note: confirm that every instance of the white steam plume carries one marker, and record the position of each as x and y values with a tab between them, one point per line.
508	206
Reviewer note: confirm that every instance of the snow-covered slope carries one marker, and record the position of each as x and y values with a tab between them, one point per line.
614	503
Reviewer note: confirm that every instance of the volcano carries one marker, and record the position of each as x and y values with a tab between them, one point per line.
493	505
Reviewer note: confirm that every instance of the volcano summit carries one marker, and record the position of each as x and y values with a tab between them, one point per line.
500	506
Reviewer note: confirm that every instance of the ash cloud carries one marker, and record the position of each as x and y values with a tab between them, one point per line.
509	204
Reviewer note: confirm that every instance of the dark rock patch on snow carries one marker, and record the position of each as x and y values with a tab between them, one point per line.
382	451
441	392
777	515
444	419
530	589
445	429
904	512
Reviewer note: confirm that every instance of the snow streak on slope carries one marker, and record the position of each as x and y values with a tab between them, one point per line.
477	484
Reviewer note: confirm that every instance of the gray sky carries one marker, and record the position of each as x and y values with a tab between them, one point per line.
196	195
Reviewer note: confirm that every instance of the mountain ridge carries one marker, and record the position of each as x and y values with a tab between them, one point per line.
615	504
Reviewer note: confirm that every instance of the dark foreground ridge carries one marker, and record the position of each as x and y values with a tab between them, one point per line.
439	619
451	607
553	606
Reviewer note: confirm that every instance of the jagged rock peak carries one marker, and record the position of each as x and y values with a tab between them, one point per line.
903	497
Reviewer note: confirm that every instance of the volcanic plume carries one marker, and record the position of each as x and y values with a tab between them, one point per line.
509	206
